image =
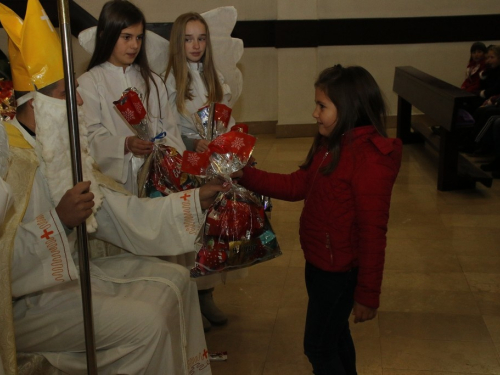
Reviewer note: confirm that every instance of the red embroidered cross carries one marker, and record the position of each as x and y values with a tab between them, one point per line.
46	234
185	196
205	353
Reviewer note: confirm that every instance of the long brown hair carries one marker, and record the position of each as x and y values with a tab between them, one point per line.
177	63
115	16
359	102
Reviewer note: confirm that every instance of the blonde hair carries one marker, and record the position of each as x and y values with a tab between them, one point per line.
177	63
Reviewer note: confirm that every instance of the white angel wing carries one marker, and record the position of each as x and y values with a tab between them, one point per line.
227	50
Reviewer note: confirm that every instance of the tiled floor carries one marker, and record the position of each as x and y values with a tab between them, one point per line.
440	305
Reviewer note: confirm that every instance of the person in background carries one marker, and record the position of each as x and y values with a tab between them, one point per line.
475	67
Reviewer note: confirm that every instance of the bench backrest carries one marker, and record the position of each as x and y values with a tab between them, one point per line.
435	98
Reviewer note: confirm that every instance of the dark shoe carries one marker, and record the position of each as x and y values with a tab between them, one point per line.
206	324
495	174
209	310
493	166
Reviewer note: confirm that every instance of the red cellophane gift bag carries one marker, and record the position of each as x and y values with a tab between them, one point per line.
161	172
236	232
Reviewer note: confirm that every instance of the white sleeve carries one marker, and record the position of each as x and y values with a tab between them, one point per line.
226	99
42	255
106	148
144	226
169	120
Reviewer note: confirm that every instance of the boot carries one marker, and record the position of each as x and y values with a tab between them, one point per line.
206	324
208	308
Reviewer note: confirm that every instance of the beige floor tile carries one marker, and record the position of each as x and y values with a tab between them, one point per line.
434	355
431	326
422	246
488	302
484	282
409	372
291	319
245	319
470	220
493	324
286	347
409	261
480	263
231	367
240	346
302	367
297	259
451	281
432	301
249	295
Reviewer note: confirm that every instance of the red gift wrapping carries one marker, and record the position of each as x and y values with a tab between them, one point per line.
166	173
233	220
131	107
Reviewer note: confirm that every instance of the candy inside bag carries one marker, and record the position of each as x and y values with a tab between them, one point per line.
212	120
236	232
161	174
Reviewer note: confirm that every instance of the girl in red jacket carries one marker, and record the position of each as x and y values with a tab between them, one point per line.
346	184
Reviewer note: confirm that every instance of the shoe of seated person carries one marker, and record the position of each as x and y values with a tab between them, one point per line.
492	166
495	174
206	324
208	308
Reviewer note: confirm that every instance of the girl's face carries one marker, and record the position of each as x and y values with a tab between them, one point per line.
127	46
325	113
477	55
196	41
492	60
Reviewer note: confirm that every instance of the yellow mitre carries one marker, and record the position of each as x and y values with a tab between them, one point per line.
13	25
41	47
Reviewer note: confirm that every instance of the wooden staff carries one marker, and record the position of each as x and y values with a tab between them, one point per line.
76	162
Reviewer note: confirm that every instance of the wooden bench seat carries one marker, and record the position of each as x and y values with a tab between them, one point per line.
441	102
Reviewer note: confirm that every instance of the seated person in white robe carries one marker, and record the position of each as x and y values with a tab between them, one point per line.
146	312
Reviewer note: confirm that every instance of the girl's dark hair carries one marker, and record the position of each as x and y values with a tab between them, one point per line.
115	16
359	102
478	46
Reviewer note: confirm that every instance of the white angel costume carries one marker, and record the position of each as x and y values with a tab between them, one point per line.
186	124
227	51
104	84
146	311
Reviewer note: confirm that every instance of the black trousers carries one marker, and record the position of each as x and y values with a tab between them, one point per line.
327	340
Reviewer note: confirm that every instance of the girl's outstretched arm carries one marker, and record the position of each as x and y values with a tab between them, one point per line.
288	187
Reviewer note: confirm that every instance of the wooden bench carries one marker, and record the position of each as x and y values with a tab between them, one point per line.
440	102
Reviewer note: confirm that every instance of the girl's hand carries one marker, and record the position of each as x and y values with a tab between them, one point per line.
363	313
201	145
237	174
137	146
209	191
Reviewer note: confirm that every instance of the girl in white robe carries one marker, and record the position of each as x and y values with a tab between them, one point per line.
193	82
119	62
191	78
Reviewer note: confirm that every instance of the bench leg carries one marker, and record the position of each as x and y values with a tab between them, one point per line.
404	123
448	178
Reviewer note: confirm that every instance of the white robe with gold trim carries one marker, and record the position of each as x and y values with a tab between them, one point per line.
146	311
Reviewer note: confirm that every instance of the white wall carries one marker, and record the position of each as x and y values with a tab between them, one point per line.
278	83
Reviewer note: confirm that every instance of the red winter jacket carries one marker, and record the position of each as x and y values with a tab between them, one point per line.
344	220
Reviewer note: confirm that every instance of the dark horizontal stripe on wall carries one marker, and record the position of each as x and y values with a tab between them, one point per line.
314	33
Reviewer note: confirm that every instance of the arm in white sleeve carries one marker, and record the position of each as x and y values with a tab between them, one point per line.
106	147
144	226
42	255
